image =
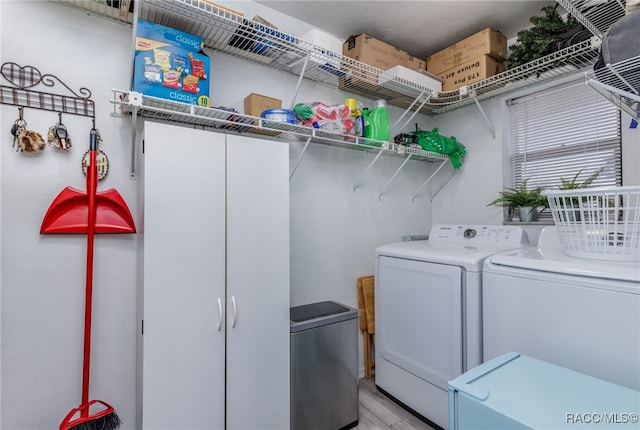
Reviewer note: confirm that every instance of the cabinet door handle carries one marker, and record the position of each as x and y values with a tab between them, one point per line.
233	308
219	314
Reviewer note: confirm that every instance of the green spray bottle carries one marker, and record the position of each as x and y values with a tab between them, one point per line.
376	122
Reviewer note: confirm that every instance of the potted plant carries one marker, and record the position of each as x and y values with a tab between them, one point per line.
573	184
527	201
572	205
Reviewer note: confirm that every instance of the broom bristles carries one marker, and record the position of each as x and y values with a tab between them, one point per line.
110	421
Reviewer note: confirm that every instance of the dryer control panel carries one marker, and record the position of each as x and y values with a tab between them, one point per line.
479	234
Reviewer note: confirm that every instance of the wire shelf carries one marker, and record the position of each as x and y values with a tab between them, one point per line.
103	9
561	63
596	15
620	84
217	119
233	34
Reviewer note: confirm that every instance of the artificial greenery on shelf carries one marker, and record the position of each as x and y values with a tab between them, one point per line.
537	41
574	184
521	197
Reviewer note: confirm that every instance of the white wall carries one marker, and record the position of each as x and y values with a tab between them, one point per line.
334	229
43	276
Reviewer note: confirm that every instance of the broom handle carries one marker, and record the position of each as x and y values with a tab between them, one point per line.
92	179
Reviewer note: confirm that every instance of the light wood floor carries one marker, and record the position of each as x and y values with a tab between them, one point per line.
377	411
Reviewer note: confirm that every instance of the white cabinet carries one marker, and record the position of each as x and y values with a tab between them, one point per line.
214	281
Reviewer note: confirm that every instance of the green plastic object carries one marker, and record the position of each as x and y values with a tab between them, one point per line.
376	122
435	142
303	111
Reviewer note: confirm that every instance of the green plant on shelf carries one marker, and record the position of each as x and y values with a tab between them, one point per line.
529	202
574	206
574	184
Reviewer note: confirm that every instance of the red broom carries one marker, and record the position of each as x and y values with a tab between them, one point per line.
82	418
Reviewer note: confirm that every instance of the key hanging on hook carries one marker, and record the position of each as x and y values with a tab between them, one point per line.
58	136
26	140
18	127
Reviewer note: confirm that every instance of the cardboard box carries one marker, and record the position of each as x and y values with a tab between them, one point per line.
169	64
149	35
374	52
397	75
254	104
477	69
486	42
228	9
414	63
375	55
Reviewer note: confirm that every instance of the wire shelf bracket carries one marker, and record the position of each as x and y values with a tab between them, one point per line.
428	180
617	97
423	98
474	96
295	166
444	184
358	181
384	187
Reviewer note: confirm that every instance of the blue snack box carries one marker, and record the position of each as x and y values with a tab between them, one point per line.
168	36
169	64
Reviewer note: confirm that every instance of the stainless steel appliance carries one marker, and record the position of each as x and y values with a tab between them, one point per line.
324	366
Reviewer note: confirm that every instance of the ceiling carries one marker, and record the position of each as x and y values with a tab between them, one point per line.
418	27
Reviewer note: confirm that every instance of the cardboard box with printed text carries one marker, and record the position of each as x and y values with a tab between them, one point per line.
476	70
486	42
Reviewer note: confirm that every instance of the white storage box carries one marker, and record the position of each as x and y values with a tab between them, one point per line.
322	39
400	76
324	62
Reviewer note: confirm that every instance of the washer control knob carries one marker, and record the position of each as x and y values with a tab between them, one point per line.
469	233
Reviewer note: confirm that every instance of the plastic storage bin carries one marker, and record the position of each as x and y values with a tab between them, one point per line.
515	391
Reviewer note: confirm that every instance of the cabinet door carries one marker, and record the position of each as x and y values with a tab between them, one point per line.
258	282
183	279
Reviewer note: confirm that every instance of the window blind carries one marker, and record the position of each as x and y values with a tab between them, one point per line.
563	132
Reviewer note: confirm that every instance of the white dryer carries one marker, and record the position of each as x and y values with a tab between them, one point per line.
583	314
427	301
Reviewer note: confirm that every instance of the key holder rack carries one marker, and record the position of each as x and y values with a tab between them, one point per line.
20	92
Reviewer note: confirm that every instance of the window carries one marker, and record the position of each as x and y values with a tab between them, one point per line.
562	132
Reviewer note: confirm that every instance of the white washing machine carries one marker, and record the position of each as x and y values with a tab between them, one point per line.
427	301
583	314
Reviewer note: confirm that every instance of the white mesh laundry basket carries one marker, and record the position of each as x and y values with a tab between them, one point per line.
601	223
